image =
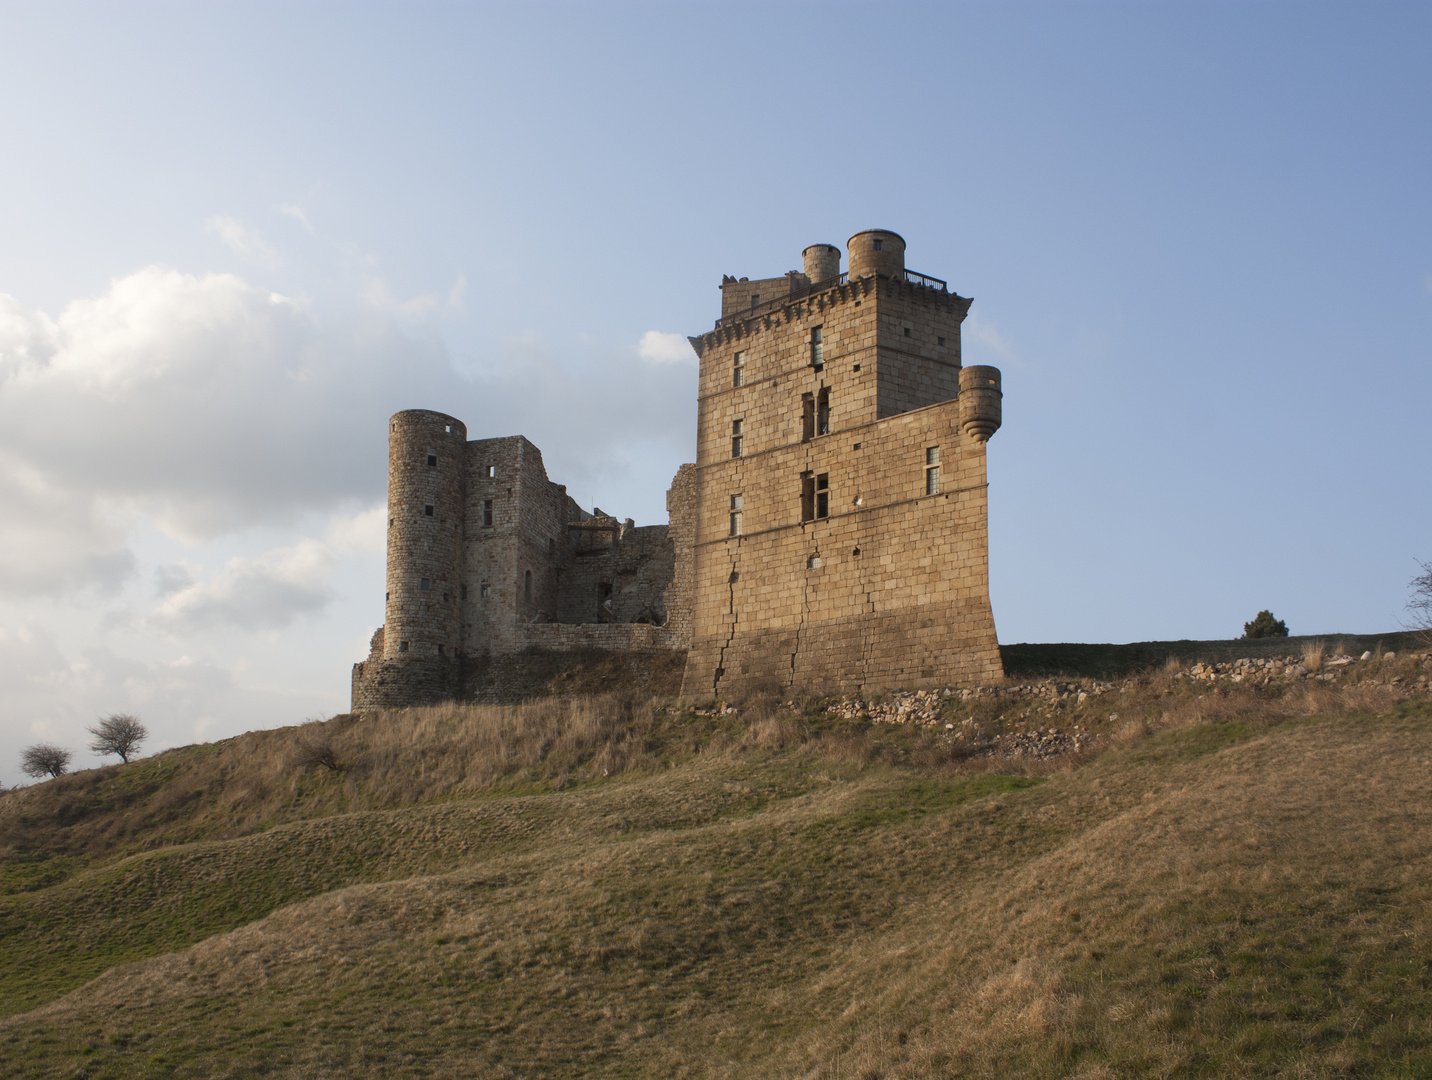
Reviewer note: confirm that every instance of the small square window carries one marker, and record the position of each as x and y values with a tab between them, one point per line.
813	562
446	597
941	341
448	428
425	585
484	591
402	646
907	331
878	244
427	511
855	368
432	459
755	299
856	446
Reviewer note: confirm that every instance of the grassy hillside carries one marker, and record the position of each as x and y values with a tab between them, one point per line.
1235	882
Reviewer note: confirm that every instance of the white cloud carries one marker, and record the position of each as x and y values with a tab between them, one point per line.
364	533
457	295
266	593
986	339
657	347
200	402
296	212
241	240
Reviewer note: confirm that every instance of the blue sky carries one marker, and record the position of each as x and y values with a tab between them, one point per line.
236	237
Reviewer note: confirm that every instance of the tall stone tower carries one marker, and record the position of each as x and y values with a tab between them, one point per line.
841	525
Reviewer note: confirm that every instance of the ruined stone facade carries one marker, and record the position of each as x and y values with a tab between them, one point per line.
831	535
493	568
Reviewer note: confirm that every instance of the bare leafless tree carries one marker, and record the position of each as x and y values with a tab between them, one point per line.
44	759
118	733
1421	603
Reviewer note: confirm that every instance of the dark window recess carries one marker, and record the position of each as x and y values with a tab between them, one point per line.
856	368
427	511
487	513
402	646
856	446
822	412
432	459
385	597
822	496
907	331
856	553
878	243
817	348
527	585
462	593
440	650
755	299
807	496
484	591
941	341
390	523
807	417
446	597
425	585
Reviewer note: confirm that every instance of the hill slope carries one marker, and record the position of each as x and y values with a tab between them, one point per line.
1237	884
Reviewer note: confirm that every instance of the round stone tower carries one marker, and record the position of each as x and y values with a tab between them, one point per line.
876	251
822	262
427	465
981	401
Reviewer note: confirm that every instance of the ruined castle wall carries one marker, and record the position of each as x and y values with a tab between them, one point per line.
681	513
624	583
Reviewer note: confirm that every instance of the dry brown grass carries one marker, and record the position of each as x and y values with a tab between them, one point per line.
1313	655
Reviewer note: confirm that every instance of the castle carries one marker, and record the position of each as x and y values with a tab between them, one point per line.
832	534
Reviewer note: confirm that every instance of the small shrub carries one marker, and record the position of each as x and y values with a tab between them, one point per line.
1265	626
315	747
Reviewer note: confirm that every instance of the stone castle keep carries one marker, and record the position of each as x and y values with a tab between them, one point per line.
831	536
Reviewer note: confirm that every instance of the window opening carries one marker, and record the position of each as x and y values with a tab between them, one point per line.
907	331
822	412
807	496
487	513
736	437
462	592
484	591
807	417
755	299
878	243
738	370
527	585
822	496
813	562
735	515
817	348
447	428
446	597
491	471
402	646
856	446
425	585
440	650
432	459
941	341
855	368
932	470
427	511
